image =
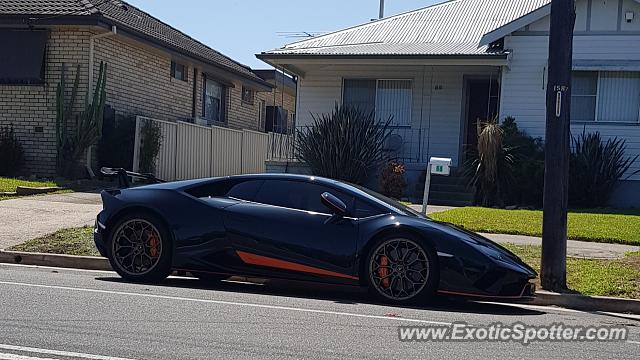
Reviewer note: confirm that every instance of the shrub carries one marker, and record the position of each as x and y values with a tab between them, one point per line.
595	168
392	180
11	153
528	166
343	145
151	142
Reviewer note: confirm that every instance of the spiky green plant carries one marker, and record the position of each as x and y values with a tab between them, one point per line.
596	167
63	113
88	123
345	144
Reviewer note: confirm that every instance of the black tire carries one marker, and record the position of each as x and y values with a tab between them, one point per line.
417	271
209	278
150	245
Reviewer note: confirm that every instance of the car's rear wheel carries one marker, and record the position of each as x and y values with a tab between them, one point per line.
139	248
402	270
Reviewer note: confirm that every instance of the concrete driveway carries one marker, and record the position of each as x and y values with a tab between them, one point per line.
29	217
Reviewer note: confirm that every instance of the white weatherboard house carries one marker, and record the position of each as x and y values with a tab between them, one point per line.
438	69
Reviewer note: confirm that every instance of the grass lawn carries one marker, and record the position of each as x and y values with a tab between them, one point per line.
620	278
599	225
9	185
74	241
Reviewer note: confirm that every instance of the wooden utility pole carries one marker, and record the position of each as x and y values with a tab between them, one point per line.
553	274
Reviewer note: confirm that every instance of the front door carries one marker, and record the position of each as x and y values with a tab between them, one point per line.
287	232
482	105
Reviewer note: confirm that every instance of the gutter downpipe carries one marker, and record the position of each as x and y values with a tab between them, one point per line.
92	38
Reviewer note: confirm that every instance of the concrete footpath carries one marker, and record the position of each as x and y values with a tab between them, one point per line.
30	217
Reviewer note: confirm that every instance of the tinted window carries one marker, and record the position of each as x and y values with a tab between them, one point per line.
365	209
245	190
236	188
298	195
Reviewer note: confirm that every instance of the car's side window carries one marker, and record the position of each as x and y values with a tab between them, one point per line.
298	195
235	188
245	190
364	209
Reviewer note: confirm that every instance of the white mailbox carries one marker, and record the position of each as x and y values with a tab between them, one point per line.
440	166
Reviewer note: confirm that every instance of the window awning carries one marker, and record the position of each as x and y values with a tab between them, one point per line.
606	65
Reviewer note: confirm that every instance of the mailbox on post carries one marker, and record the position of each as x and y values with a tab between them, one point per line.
440	166
437	166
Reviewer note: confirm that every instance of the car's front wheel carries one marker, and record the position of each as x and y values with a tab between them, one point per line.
402	270
139	248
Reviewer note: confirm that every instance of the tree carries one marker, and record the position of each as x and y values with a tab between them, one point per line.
553	274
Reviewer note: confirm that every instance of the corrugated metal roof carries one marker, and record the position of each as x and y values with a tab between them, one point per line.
450	28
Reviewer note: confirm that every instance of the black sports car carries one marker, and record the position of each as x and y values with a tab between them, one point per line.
301	228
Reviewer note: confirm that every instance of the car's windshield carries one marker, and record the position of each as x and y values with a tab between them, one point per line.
389	202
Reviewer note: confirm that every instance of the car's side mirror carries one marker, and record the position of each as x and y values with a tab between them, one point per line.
334	204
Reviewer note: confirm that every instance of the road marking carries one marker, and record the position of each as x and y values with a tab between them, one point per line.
537	307
222	302
5	356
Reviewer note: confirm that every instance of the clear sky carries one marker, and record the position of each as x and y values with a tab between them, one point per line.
242	28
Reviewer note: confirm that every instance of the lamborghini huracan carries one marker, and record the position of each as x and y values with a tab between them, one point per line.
306	228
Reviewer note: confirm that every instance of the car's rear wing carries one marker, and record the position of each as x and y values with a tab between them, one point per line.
125	178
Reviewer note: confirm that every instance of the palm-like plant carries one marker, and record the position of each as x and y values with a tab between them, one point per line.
595	168
343	145
490	165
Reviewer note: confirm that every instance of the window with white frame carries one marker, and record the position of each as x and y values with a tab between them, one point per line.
385	97
605	96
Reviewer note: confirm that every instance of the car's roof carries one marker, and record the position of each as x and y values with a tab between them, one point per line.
349	188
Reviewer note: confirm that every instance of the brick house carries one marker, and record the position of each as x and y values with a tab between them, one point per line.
154	70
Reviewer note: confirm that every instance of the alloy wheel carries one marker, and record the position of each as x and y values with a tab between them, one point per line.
137	247
399	269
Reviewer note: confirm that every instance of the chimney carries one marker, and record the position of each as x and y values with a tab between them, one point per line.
381	14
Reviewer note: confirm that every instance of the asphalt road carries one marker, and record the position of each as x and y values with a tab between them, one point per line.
50	313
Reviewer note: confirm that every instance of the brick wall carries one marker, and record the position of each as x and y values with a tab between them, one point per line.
139	82
32	109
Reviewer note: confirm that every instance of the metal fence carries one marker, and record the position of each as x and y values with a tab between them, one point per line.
189	151
403	144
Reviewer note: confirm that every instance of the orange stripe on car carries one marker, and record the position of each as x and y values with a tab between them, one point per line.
254	259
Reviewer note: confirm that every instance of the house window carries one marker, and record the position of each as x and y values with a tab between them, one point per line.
22	56
605	96
248	95
214	95
385	97
178	71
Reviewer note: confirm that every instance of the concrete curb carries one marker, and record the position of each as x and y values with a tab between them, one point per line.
587	303
55	260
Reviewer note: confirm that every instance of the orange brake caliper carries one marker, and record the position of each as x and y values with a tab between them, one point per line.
153	244
383	271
